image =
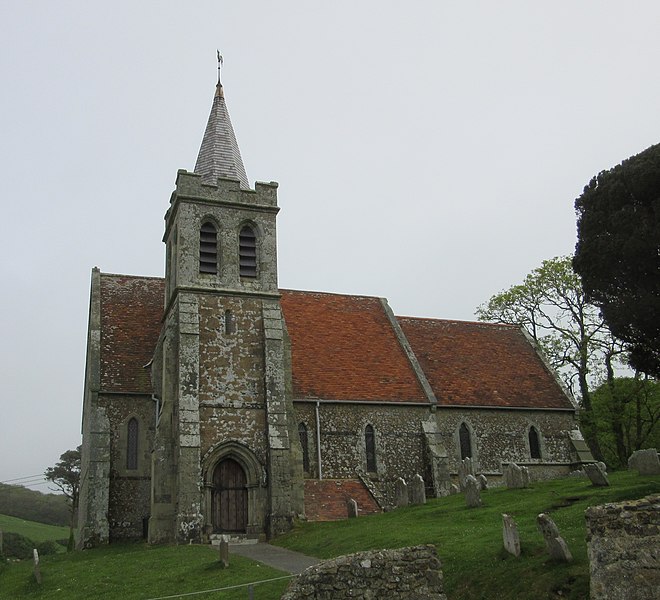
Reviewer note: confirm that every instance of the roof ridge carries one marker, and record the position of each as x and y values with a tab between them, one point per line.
460	321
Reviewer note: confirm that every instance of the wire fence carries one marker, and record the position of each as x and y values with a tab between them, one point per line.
249	588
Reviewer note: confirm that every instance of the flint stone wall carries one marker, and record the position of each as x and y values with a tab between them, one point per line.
622	543
411	573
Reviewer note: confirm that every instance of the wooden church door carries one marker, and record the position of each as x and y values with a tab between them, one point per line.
229	497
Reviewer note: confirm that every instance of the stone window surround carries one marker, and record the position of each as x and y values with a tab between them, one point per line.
258	236
473	442
528	449
143	465
218	244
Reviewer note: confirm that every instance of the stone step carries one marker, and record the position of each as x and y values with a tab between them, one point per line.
233	538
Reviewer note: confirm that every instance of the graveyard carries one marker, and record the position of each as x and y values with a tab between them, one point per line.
468	540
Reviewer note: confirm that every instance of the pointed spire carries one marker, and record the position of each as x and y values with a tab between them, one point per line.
219	155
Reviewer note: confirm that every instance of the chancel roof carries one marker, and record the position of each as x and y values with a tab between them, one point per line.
347	348
482	364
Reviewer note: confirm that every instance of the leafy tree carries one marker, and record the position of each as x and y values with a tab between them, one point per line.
65	474
551	306
627	417
618	253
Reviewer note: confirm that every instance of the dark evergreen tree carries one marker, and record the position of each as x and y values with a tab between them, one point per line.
618	253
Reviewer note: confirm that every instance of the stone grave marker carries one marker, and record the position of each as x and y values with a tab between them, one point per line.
483	482
597	476
417	490
37	569
454	489
352	508
645	462
465	468
223	548
400	493
515	476
554	543
472	492
510	535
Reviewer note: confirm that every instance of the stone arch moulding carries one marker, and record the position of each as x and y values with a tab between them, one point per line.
473	441
255	475
532	426
141	464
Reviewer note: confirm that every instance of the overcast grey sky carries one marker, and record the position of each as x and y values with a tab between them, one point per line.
427	151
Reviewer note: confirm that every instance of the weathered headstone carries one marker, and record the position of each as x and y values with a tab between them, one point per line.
454	489
554	543
465	468
400	493
352	508
37	570
510	535
472	492
597	476
515	476
578	473
224	550
483	482
417	490
646	462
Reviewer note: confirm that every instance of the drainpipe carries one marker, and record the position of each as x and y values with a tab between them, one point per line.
318	440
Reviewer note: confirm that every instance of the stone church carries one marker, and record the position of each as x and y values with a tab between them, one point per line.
216	402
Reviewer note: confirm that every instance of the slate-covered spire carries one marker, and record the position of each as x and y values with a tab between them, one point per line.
219	155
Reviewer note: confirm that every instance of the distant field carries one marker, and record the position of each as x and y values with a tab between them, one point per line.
37	532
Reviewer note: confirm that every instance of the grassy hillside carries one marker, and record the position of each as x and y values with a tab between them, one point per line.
469	541
23	503
139	572
37	532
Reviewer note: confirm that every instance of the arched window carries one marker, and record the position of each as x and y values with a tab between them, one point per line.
370	448
534	443
247	252
132	445
208	249
304	442
230	325
465	442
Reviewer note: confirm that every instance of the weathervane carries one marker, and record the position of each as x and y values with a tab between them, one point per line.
220	62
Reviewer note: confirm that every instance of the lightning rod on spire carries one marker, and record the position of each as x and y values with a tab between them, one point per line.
220	63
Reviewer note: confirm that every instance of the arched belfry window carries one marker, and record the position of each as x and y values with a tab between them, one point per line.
304	443
247	252
465	441
132	432
370	448
534	443
208	249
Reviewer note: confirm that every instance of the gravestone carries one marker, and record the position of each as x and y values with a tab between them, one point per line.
352	508
578	473
400	493
223	549
645	462
597	476
554	543
472	492
417	490
454	489
483	482
515	477
465	468
37	569
510	535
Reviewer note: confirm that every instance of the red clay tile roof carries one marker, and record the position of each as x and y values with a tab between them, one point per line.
481	364
344	348
131	313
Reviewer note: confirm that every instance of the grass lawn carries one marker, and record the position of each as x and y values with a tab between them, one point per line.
140	572
37	532
469	541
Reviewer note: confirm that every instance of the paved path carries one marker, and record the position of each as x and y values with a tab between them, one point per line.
274	556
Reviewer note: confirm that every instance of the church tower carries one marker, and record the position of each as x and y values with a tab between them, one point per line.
224	460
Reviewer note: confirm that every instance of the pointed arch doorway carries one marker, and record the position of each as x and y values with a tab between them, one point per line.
229	497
